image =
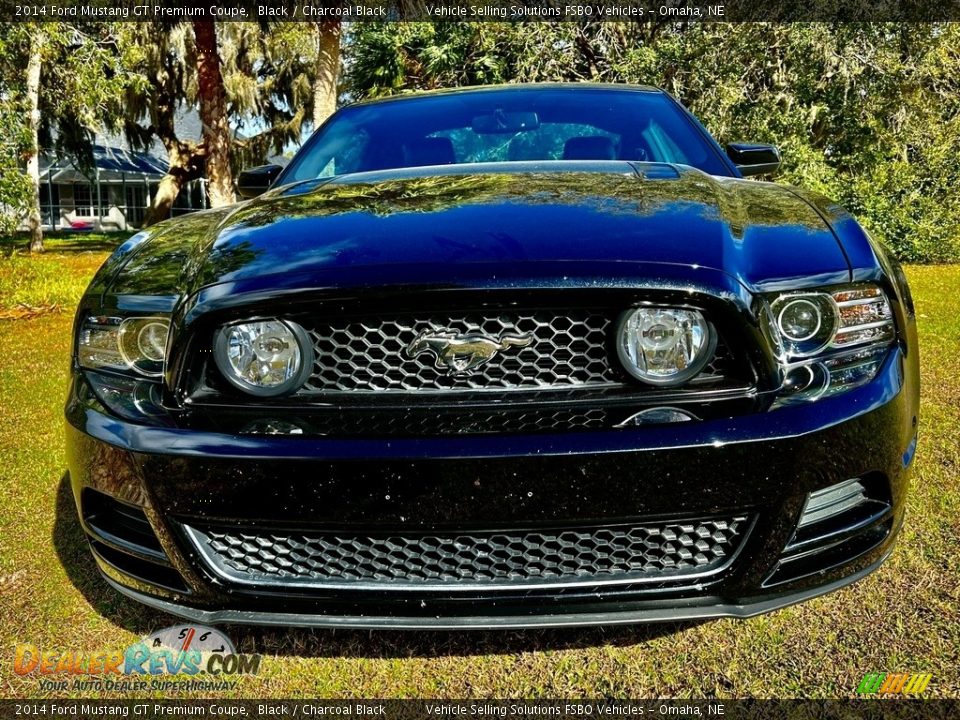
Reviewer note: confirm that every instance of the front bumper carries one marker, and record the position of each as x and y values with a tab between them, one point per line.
704	608
761	465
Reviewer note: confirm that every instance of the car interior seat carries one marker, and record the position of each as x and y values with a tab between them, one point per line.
429	151
592	147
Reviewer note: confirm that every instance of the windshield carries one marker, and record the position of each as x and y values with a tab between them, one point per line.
505	126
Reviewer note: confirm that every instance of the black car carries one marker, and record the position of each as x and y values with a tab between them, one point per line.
503	357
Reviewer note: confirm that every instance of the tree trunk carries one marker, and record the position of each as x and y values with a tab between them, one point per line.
185	163
213	115
165	196
327	71
37	39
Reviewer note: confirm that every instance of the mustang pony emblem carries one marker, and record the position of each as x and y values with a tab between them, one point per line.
460	354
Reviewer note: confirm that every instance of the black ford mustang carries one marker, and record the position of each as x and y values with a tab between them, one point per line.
518	356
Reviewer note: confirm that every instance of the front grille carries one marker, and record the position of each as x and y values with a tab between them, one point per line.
369	355
623	553
567	349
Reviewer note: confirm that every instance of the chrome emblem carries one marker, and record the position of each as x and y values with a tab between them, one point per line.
461	354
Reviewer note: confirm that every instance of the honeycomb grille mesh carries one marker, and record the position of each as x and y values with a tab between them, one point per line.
616	553
368	355
412	424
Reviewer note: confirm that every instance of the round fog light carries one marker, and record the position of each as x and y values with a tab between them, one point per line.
264	358
665	346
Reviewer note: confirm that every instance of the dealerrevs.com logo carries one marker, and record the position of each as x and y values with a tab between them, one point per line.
182	657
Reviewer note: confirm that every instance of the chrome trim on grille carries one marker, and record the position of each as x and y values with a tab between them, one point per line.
504	560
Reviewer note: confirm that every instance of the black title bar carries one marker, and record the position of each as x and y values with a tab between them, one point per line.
480	709
490	10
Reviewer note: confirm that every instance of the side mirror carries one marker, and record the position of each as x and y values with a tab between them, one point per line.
256	181
754	158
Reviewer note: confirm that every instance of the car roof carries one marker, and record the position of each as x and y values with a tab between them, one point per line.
512	87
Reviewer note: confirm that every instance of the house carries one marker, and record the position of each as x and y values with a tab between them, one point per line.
111	195
115	193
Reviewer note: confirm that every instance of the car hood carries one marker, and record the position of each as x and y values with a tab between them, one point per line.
581	221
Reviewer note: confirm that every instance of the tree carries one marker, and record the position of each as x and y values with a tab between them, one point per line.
16	191
213	115
253	93
32	155
59	85
159	55
327	72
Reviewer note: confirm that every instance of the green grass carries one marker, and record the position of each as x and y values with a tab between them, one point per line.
54	280
902	618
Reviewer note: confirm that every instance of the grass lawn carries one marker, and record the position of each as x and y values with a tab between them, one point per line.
54	280
902	618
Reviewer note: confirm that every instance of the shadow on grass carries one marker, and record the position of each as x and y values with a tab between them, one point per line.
71	547
392	644
67	242
88	245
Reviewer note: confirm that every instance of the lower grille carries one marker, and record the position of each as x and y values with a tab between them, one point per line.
412	424
623	553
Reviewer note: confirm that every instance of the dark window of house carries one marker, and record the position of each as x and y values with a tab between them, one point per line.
136	201
49	203
83	200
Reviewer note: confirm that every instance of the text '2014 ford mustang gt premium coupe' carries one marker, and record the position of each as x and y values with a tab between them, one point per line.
501	357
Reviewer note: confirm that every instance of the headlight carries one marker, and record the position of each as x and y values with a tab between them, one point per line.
806	322
830	341
264	358
664	346
865	317
124	344
810	323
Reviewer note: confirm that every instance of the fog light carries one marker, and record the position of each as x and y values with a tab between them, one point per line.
665	346
657	416
264	358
